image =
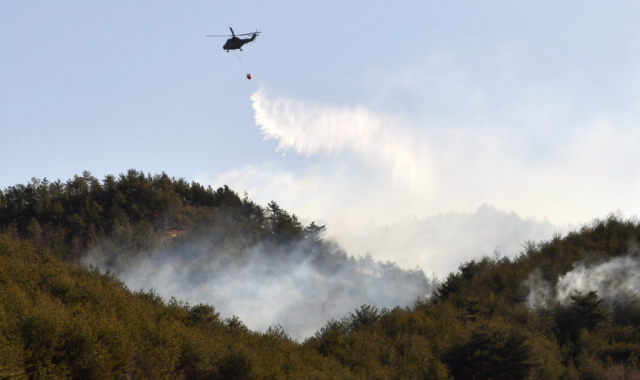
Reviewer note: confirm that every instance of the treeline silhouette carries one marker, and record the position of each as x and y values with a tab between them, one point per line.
138	212
60	320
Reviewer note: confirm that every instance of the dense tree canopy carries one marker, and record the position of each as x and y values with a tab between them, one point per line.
139	210
61	320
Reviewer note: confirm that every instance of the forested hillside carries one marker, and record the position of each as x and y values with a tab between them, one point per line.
137	212
495	318
207	246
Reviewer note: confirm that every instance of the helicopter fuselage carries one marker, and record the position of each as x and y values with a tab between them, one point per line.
234	43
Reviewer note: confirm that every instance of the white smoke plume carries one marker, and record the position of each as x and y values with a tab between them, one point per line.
387	186
532	162
446	240
264	290
611	280
369	219
408	186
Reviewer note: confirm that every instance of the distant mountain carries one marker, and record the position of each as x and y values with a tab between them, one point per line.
566	308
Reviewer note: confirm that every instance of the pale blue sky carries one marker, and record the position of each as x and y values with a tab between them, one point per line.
106	86
528	107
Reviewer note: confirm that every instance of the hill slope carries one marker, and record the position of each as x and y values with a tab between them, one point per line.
205	246
498	318
59	321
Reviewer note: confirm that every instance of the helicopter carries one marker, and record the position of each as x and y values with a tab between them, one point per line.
234	42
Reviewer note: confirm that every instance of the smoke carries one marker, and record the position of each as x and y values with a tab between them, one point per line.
611	280
406	183
402	174
439	242
400	188
365	217
264	289
428	164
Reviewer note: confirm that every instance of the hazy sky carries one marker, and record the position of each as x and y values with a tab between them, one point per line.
481	124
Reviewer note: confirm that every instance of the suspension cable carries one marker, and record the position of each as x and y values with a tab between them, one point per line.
245	67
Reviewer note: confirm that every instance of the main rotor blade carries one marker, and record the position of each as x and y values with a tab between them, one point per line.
233	34
232	31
